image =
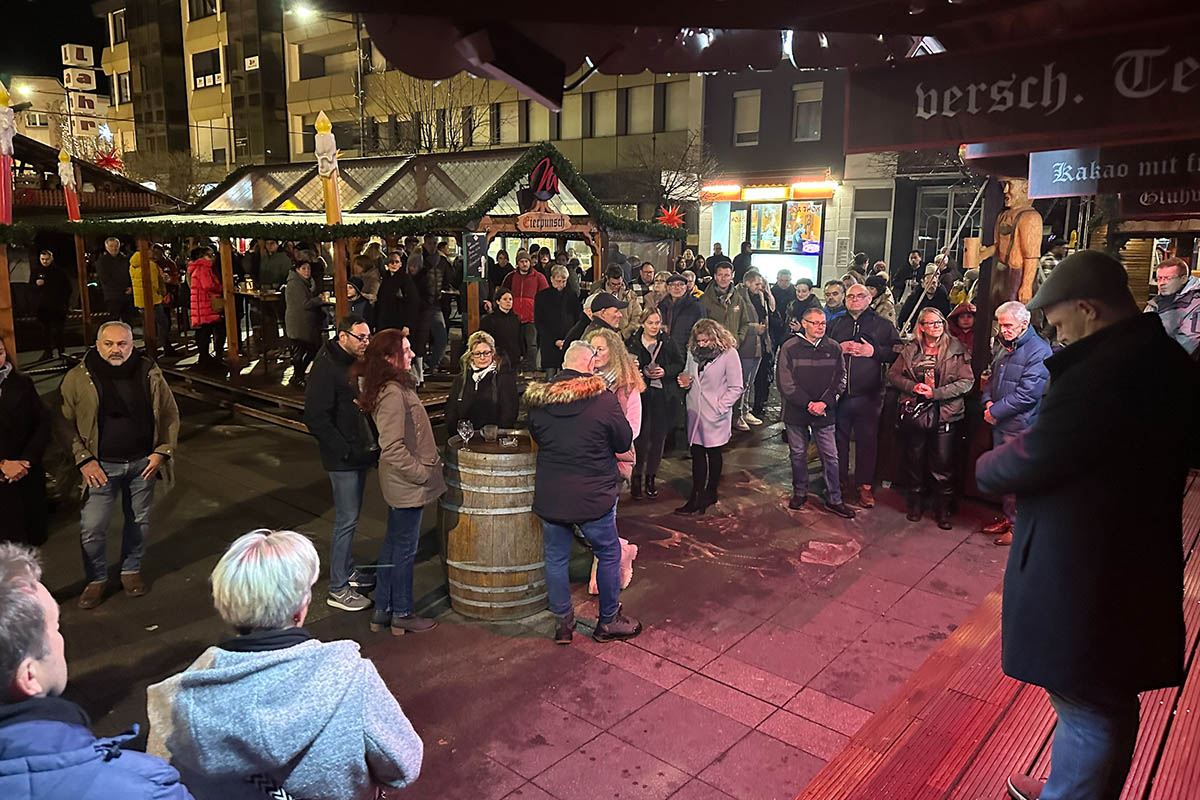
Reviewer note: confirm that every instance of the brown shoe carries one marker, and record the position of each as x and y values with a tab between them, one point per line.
1023	787
865	498
411	624
1004	539
999	526
133	583
93	595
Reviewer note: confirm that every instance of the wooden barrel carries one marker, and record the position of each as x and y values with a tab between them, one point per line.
493	542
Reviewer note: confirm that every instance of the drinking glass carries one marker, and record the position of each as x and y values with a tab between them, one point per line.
466	430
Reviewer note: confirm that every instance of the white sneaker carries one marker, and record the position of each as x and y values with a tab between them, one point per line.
740	424
753	420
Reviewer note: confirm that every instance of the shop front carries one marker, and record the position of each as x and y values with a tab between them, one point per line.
784	224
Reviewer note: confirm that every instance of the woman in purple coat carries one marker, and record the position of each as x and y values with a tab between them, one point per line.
713	382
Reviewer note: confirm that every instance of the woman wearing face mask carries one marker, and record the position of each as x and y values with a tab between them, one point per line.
620	372
485	391
505	327
660	362
712	378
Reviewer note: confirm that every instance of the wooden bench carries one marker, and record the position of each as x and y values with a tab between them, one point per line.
959	726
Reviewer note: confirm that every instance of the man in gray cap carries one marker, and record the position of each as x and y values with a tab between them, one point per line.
1093	601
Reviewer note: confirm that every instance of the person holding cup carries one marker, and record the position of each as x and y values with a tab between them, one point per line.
660	361
485	391
304	319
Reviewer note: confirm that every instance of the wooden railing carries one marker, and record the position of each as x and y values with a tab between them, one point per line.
88	201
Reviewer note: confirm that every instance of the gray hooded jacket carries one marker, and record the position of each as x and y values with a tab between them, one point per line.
315	719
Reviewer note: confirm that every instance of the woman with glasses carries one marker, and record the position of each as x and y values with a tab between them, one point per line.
933	374
485	391
712	379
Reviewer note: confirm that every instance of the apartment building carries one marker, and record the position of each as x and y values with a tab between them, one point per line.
47	114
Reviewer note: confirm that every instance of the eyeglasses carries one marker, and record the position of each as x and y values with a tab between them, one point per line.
934	324
364	337
480	353
820	323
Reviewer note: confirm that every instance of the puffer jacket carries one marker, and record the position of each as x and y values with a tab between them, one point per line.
158	287
579	428
1180	315
1018	380
954	376
203	284
524	289
47	752
410	467
313	718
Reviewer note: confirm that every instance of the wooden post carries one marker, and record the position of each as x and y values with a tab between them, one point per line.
8	329
472	315
598	264
231	323
148	266
340	278
85	299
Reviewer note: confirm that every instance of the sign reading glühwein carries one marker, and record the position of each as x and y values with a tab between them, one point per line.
1123	87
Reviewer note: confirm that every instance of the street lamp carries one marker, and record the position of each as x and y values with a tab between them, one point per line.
25	90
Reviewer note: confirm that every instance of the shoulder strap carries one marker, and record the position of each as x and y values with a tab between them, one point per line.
1013	241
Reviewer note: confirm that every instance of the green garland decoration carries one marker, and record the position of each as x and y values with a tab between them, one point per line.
24	233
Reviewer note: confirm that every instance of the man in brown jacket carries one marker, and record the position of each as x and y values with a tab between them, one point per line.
119	420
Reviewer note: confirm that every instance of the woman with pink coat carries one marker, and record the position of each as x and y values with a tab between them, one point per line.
206	290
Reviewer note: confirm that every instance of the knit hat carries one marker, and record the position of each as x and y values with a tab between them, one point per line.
356	282
877	282
521	254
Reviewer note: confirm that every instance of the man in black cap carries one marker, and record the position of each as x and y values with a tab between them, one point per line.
1093	601
606	314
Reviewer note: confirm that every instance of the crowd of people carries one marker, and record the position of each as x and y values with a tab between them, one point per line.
613	380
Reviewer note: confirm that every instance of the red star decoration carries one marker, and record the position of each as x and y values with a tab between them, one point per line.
670	216
109	160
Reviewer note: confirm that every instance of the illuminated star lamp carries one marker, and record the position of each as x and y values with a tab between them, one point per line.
110	160
670	216
66	174
8	127
327	168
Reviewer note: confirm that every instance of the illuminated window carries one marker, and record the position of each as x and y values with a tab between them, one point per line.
766	226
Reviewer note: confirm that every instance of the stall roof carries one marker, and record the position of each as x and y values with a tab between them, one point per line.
45	159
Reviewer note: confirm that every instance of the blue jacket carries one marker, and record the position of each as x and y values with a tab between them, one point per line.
47	752
1018	380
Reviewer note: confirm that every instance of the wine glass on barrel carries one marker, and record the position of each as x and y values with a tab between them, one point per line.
465	431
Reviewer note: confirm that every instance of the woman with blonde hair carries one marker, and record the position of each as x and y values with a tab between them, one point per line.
712	379
620	371
485	391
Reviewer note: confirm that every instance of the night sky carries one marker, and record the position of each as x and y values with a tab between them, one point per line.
34	30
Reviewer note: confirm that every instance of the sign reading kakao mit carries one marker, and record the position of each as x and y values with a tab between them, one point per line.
1132	85
1108	170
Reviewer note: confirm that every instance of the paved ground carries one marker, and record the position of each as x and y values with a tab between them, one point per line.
757	663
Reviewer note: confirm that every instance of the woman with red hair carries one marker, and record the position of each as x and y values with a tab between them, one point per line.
410	474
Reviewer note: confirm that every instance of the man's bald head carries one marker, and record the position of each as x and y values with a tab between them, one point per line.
579	357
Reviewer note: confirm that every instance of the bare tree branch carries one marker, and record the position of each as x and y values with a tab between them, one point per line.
431	116
178	174
670	170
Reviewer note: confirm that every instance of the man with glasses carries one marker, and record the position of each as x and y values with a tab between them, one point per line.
348	451
579	428
811	376
1178	303
868	343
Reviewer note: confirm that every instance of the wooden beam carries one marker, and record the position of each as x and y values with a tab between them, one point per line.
8	328
149	335
85	299
340	278
231	323
472	317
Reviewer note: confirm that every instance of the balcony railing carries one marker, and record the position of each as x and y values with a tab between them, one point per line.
88	201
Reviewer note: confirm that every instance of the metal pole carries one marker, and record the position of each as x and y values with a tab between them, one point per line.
362	114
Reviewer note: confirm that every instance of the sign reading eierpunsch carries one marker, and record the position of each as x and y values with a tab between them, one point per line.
1107	170
1122	87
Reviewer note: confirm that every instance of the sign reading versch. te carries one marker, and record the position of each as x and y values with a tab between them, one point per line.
1117	88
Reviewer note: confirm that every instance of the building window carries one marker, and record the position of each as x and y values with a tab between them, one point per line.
117	32
806	112
122	88
766	225
206	69
220	155
675	112
555	126
34	119
311	66
639	110
494	124
523	121
745	117
604	113
468	126
199	9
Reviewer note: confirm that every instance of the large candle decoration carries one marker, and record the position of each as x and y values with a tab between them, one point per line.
66	174
327	168
8	127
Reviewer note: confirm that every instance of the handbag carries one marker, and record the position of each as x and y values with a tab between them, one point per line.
217	303
916	414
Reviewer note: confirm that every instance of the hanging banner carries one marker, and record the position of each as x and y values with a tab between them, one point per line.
1123	87
1107	170
1160	204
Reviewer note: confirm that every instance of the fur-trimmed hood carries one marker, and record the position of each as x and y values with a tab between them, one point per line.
566	388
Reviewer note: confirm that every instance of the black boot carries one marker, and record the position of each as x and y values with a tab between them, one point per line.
635	487
692	505
651	489
943	513
709	497
565	631
914	507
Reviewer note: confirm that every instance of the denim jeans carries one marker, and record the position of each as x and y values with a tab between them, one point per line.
798	436
1093	747
601	534
749	370
137	496
348	488
394	569
438	338
1008	502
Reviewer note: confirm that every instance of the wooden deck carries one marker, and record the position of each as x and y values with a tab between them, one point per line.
959	726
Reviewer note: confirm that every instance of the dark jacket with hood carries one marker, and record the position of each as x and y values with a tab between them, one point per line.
954	376
579	428
397	304
1019	377
864	374
554	314
47	752
494	401
343	432
1093	593
955	329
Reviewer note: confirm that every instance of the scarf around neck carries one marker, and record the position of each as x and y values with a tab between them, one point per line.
479	374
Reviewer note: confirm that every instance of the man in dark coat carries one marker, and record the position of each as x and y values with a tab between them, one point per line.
1093	593
579	428
397	305
555	311
741	264
868	342
25	428
348	451
53	293
112	270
